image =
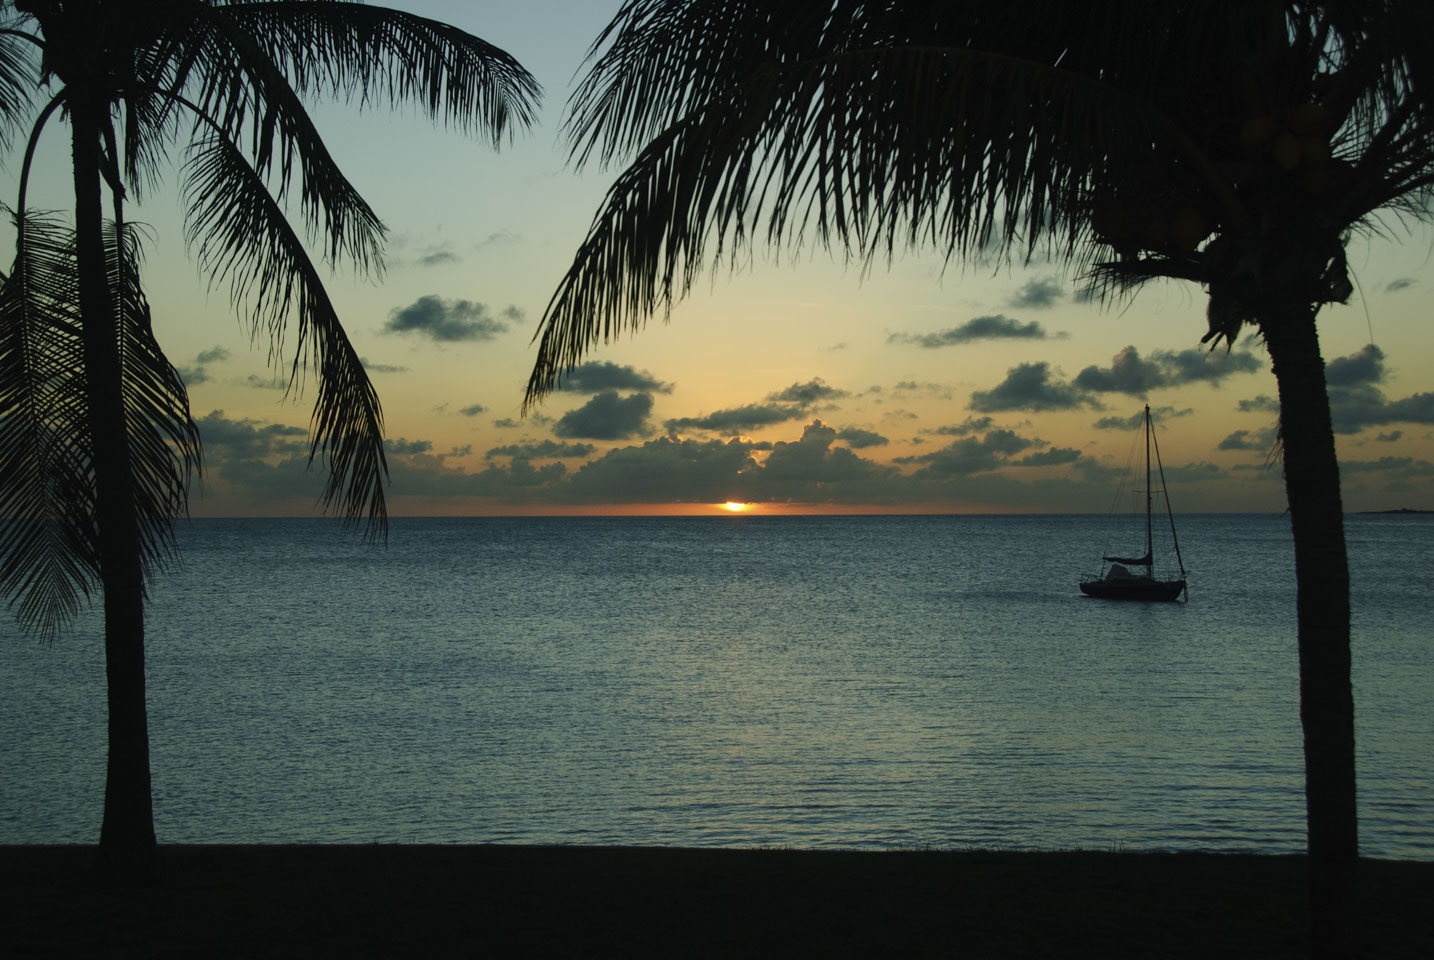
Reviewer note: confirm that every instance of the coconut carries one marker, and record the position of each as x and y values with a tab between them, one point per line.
1188	228
1257	131
1154	230
1315	151
1111	220
1286	151
1309	120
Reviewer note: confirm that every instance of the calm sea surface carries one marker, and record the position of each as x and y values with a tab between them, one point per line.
811	682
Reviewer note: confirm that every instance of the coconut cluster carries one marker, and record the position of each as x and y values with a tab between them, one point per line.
1173	220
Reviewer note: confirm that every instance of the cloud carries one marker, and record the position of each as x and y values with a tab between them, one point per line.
373	367
807	394
1404	466
1136	420
664	470
1401	283
1197	365
749	416
1037	295
265	383
1193	472
607	416
402	446
996	327
859	439
1127	373
506	423
596	376
1001	469
1390	437
1355	402
244	439
499	238
437	258
966	427
791	403
546	450
1353	409
1130	374
1028	386
449	321
970	455
668	469
936	390
1260	441
811	470
1366	366
474	410
199	372
1048	458
1259	404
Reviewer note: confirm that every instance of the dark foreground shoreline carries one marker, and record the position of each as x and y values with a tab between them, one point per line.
417	901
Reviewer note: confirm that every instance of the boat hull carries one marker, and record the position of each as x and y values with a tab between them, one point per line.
1150	590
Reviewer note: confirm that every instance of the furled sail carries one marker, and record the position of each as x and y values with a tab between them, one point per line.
1130	561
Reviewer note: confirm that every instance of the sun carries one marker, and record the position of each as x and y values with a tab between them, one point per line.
734	507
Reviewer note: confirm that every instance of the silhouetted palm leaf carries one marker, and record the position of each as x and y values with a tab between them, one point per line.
48	551
947	126
968	129
164	440
17	80
378	54
239	235
48	561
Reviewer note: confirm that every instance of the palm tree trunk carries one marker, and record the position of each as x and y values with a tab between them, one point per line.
1322	578
127	833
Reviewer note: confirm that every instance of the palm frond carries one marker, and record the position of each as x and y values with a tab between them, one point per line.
149	116
238	91
163	437
239	234
917	125
377	54
48	557
18	79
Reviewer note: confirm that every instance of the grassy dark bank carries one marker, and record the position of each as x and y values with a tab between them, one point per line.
506	900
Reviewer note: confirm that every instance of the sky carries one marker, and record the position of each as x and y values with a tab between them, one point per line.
805	385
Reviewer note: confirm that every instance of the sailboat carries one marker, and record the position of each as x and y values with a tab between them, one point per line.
1136	578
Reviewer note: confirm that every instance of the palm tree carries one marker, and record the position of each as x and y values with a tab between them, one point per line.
1237	145
96	439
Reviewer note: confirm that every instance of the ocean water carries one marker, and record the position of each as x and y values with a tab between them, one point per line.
866	682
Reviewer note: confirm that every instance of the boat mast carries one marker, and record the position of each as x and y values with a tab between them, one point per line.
1169	511
1149	550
